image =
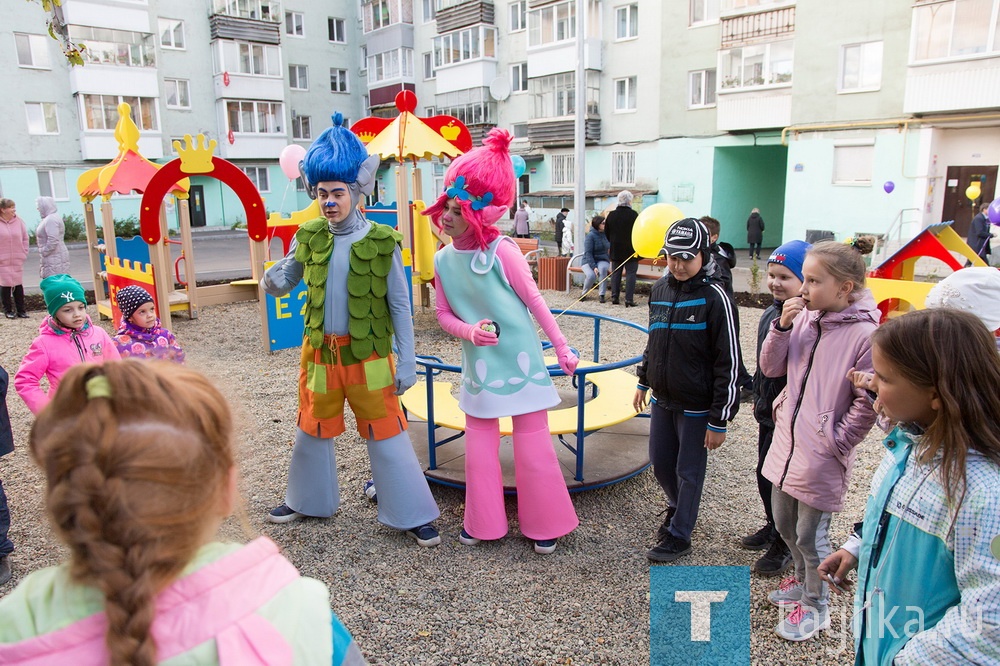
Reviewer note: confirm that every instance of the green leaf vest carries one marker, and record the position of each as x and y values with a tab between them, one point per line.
370	323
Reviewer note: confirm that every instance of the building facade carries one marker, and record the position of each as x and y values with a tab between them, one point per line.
803	110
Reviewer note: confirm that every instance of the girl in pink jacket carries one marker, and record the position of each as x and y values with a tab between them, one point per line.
65	338
819	417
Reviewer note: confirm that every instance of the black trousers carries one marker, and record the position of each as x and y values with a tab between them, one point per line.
10	303
631	267
764	436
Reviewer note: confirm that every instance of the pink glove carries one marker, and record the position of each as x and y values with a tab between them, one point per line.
479	337
567	359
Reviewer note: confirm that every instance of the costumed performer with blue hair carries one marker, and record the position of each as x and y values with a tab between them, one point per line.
357	300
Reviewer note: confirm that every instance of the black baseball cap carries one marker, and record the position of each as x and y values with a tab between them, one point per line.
685	239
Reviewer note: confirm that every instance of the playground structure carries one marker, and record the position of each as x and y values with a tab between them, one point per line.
892	282
596	419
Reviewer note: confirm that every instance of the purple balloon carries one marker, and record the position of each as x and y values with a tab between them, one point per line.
889	186
993	212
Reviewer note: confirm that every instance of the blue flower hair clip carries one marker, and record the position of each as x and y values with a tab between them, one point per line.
458	190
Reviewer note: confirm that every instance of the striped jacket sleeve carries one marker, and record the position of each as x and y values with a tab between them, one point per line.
726	344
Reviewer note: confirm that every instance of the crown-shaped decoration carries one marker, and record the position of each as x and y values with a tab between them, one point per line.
450	131
196	157
366	136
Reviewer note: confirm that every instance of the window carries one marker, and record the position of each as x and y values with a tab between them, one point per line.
338	80
701	88
258	176
171	34
627	22
336	30
955	29
114	47
178	93
473	106
295	24
32	51
428	65
756	65
861	67
703	11
430	10
390	65
625	94
518	15
298	77
555	96
259	10
470	44
623	167
52	183
251	59
519	130
252	117
100	112
42	118
553	23
380	14
519	77
563	167
852	164
301	127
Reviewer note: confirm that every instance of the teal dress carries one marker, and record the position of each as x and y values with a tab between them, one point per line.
509	378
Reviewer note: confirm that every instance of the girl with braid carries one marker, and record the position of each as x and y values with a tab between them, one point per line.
137	490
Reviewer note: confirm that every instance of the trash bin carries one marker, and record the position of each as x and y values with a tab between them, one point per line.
552	272
816	235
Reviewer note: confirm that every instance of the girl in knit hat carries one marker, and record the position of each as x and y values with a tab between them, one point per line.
140	334
486	297
65	338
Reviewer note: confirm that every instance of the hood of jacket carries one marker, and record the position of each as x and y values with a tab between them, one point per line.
50	326
861	309
47	206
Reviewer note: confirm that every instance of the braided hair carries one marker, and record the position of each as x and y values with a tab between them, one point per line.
137	457
845	261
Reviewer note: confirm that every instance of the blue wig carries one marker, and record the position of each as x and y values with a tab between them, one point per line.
335	156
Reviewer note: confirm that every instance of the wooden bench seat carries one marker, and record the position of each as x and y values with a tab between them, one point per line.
650	270
529	248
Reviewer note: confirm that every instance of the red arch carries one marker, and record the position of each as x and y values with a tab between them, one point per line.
227	172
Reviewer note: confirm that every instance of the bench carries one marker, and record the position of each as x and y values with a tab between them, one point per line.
529	248
650	270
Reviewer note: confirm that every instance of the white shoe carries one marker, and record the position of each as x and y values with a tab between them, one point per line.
803	623
789	593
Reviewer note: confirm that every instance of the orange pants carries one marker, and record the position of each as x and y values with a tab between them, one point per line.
369	387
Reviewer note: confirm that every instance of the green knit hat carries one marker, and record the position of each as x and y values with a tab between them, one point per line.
59	290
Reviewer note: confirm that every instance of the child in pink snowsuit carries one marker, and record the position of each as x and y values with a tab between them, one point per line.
485	292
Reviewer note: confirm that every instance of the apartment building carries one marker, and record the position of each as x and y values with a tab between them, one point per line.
804	110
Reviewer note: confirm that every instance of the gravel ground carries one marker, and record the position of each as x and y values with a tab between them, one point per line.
498	603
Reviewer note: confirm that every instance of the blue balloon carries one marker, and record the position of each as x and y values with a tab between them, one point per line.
519	165
993	212
889	186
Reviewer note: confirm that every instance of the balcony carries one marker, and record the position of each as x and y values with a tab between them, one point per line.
751	110
245	86
98	14
550	132
966	85
113	80
102	144
765	26
223	26
561	57
457	14
465	75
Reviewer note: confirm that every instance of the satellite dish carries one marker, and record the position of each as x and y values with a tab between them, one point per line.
500	88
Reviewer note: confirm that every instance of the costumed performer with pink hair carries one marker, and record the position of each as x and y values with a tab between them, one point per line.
485	291
358	300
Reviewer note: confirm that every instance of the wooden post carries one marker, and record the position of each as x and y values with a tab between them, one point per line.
93	254
108	221
159	257
187	247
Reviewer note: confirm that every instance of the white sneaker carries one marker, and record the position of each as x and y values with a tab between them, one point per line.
789	593
803	623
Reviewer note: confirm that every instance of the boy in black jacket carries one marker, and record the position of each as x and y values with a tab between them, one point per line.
691	363
784	280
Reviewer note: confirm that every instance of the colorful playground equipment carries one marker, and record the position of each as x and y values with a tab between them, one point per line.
601	444
892	282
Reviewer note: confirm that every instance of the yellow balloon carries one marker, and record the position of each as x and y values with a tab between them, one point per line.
973	191
651	226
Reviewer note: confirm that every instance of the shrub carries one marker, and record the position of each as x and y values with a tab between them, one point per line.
75	230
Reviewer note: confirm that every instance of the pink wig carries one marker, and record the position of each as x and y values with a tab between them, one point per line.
482	182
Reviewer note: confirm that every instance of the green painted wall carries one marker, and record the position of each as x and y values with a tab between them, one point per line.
745	178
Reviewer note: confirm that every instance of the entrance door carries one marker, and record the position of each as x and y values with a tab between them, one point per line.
196	205
956	205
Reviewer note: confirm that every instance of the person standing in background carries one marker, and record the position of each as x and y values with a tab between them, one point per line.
521	227
49	238
755	232
560	227
618	229
979	235
13	252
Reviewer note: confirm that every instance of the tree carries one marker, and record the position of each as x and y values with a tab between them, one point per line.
59	31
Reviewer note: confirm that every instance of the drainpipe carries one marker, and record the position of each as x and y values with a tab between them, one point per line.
903	123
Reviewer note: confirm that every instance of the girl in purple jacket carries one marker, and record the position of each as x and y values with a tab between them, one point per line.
140	334
819	418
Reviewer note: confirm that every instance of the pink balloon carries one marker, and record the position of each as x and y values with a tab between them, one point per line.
289	160
889	186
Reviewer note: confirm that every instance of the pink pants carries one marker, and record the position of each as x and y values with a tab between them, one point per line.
544	508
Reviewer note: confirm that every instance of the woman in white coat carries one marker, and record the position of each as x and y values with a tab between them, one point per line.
49	238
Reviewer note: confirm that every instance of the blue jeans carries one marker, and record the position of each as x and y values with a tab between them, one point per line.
6	545
680	459
592	278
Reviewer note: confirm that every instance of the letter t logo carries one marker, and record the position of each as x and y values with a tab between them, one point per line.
701	611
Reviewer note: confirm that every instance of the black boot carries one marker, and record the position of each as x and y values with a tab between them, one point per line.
760	539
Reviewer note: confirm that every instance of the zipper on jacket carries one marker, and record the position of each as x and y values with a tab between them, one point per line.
79	346
822	424
798	403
